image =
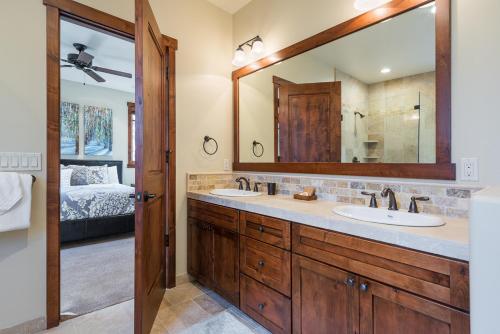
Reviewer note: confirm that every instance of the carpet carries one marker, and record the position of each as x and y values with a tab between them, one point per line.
96	274
223	323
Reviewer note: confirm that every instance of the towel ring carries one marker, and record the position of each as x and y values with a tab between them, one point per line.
207	139
256	143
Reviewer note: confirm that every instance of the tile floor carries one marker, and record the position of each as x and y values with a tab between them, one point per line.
182	307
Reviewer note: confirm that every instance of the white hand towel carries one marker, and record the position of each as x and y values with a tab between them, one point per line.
10	191
18	217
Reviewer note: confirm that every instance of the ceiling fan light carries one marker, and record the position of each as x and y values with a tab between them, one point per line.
365	5
239	57
257	47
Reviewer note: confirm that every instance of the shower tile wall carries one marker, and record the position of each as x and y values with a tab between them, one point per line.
393	121
354	99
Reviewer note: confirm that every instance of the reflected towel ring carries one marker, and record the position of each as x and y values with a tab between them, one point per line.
207	139
256	143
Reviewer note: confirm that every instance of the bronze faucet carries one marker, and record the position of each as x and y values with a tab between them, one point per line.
393	205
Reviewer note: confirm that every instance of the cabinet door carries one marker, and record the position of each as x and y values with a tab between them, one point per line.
324	299
200	251
226	264
387	310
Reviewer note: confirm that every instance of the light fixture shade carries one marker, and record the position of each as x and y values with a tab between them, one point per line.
365	5
239	57
257	47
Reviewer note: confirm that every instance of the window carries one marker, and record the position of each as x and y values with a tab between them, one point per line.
131	134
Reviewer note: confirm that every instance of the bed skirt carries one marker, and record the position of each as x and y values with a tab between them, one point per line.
83	229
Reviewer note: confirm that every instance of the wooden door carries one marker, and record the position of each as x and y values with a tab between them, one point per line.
324	298
310	122
226	264
387	310
150	167
200	251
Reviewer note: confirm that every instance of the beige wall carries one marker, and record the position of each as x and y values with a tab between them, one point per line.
103	97
475	69
203	107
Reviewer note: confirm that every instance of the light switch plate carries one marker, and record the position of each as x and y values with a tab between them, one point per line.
227	165
470	170
20	161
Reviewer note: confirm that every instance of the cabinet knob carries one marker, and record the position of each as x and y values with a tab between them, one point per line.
261	306
261	228
349	281
363	287
261	263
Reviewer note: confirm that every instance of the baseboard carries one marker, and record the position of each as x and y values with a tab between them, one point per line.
28	327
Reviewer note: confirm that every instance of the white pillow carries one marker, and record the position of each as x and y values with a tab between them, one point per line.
113	175
97	174
66	177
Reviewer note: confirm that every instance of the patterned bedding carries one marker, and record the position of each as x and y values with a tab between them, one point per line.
96	200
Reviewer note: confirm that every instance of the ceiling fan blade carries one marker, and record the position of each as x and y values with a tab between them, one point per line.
107	70
94	75
64	60
85	58
66	66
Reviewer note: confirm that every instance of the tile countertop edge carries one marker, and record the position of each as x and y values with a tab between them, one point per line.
383	233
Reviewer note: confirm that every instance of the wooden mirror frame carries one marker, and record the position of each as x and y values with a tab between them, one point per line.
443	168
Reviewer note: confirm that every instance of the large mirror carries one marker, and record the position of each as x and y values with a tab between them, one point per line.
368	97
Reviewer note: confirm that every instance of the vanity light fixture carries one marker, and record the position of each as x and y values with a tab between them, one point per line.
365	5
385	70
256	46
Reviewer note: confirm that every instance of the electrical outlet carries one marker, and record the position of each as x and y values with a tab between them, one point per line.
470	170
227	165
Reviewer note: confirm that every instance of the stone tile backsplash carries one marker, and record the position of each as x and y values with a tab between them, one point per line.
445	199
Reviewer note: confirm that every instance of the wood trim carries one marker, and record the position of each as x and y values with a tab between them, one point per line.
57	9
131	111
171	177
53	161
414	171
101	20
442	169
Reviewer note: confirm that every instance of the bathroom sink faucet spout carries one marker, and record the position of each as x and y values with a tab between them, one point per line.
393	205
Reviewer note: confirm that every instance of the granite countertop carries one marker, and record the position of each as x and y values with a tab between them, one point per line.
450	240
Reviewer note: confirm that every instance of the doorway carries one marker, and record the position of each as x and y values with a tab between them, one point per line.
58	13
97	175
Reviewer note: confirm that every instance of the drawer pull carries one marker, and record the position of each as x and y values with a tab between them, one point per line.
261	306
349	281
363	287
261	229
261	263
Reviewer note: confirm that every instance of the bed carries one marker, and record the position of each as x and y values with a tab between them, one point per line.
96	210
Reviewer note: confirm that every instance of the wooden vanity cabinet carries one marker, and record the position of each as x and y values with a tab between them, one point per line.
213	248
296	278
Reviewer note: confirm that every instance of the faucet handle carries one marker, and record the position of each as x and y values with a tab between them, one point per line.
256	186
240	187
413	203
373	199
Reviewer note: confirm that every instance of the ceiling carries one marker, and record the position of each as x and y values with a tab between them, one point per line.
230	6
109	51
405	44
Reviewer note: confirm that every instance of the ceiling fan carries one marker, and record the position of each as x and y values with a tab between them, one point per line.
83	61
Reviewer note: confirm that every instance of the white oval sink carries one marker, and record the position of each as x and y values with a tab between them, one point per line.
234	193
384	216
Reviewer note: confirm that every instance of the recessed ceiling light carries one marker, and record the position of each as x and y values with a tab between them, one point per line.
385	70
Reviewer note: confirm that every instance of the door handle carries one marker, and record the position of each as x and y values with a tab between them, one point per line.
147	196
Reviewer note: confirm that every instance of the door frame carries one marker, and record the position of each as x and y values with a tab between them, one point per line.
107	23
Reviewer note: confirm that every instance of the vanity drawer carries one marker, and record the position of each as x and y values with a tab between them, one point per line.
441	279
213	214
270	230
267	264
266	306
